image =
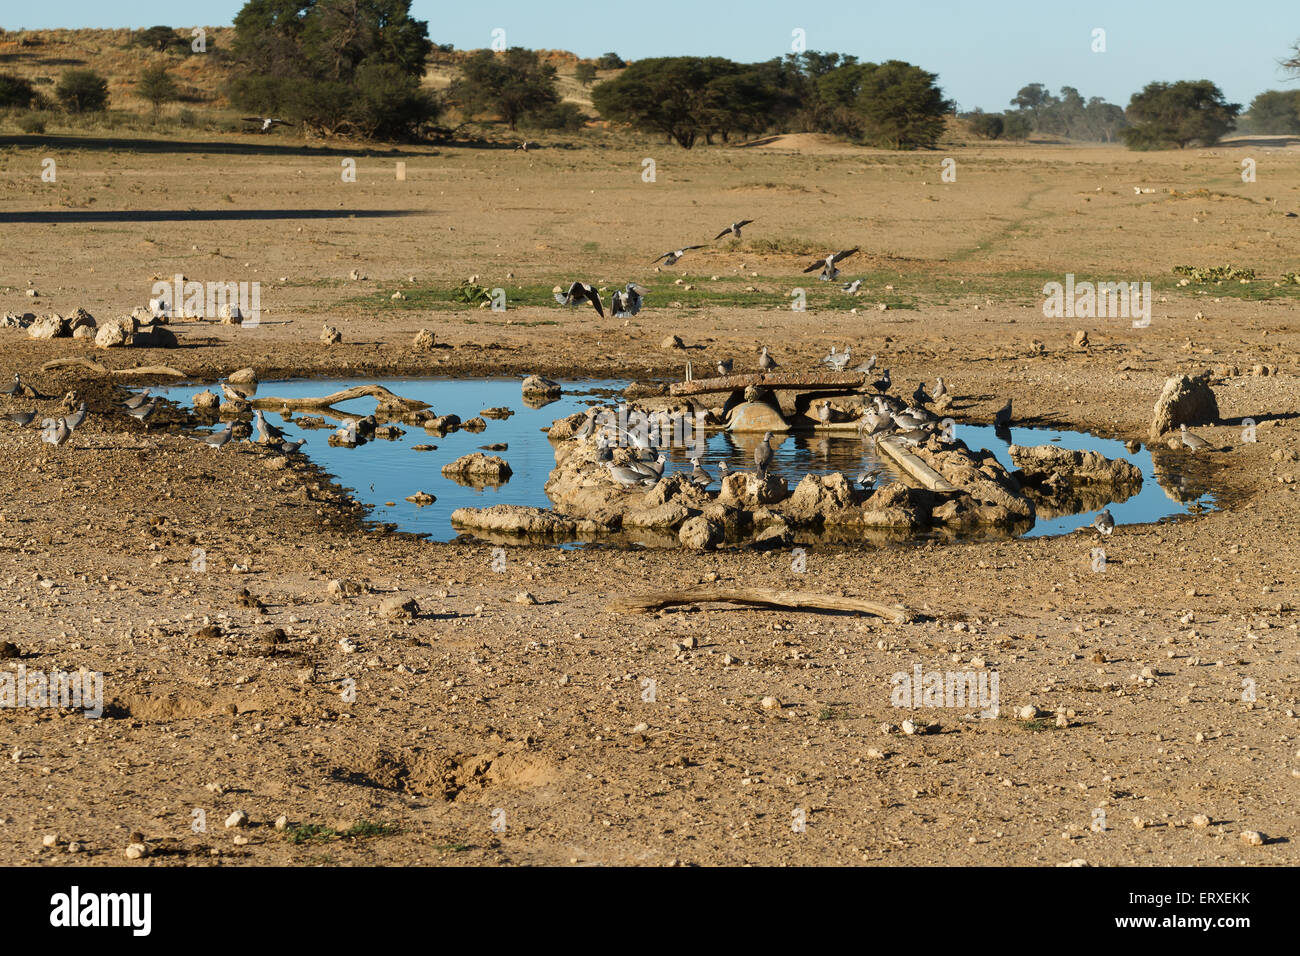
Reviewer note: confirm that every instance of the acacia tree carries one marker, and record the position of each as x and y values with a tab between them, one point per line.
156	86
82	91
901	106
1275	111
511	85
1178	114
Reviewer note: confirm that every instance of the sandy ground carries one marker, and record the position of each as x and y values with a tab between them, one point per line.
484	710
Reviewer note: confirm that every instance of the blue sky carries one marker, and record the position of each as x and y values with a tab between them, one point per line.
983	50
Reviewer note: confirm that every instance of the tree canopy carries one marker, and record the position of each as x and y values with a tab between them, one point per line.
511	85
334	65
1179	114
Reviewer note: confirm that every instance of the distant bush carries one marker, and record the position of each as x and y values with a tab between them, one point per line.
1178	114
511	85
1274	112
15	92
156	86
1016	126
584	73
162	39
986	125
32	123
610	61
564	117
82	91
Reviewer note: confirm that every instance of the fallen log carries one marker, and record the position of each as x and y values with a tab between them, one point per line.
914	467
846	381
105	370
387	400
790	600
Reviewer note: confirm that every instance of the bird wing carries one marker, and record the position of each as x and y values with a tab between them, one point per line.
664	256
843	255
723	233
687	248
743	223
819	264
594	296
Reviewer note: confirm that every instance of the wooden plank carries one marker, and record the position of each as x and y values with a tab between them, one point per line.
846	381
914	467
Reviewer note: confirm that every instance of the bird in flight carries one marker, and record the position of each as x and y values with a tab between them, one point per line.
671	257
734	229
266	122
827	265
627	303
525	146
579	291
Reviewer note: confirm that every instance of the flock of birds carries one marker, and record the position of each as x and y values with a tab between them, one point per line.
627	301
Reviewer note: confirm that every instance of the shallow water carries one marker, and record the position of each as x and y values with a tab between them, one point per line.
382	471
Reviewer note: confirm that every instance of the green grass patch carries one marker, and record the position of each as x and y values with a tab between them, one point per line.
307	833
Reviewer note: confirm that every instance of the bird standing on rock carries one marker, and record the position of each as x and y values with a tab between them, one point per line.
135	401
763	456
699	476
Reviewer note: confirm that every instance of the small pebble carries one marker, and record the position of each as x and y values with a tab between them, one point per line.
237	819
1252	838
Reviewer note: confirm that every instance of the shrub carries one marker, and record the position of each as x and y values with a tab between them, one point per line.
15	92
566	117
32	123
82	91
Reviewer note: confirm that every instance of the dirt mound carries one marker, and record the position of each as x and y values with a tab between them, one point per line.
427	773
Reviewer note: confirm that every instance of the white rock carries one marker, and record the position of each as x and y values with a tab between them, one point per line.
237	819
136	850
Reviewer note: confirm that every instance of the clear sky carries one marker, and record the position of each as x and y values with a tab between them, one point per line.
983	50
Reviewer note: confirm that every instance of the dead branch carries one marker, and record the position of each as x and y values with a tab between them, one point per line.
762	597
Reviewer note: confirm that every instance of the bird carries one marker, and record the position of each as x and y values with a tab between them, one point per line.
269	433
908	421
765	362
650	469
1002	417
866	366
55	432
837	360
218	438
289	447
234	394
627	303
348	433
920	396
763	455
670	258
865	480
525	146
940	389
603	451
1104	522
22	419
143	412
725	366
876	422
589	424
12	388
734	229
579	291
625	476
851	287
699	476
1193	441
827	265
883	383
266	121
136	400
76	418
723	470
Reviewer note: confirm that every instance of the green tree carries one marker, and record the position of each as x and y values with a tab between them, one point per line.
670	95
901	106
1178	114
585	73
1016	125
82	91
160	39
610	61
156	86
334	65
1275	111
510	85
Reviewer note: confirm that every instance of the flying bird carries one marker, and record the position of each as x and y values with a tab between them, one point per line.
734	229
627	303
55	432
525	146
827	265
266	122
670	258
579	291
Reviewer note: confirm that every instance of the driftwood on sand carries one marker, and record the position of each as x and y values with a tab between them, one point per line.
387	400
762	597
812	381
105	370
